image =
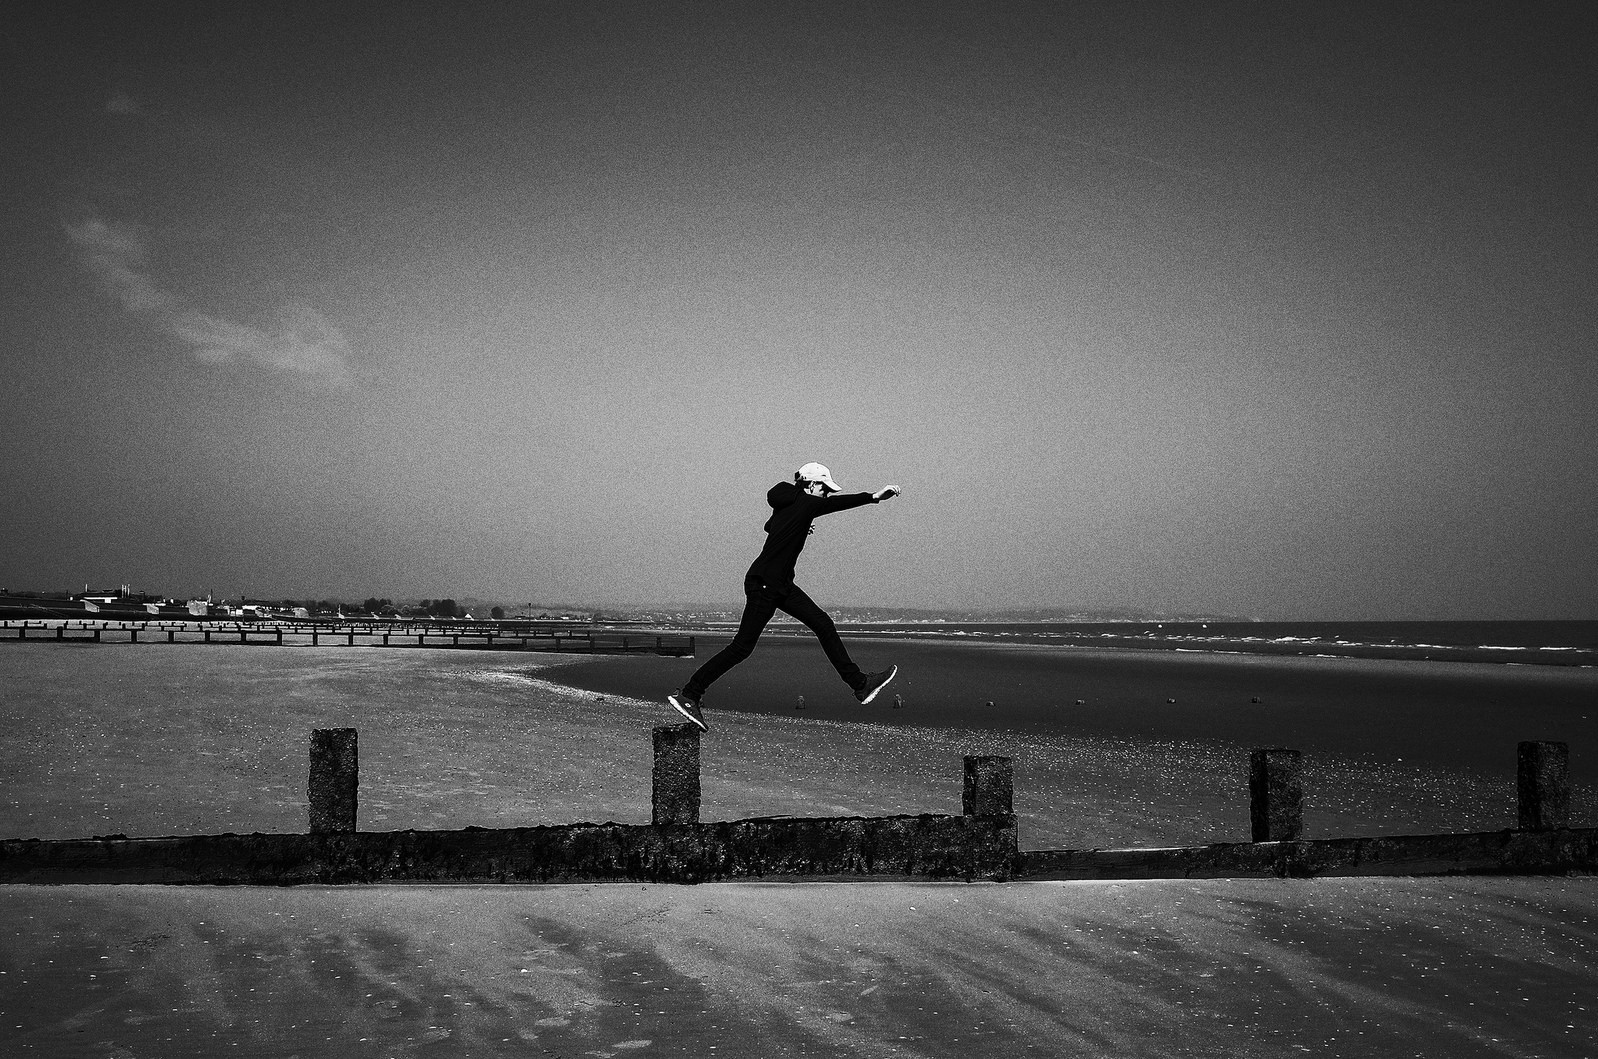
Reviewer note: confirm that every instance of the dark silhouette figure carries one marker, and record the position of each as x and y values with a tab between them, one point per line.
769	587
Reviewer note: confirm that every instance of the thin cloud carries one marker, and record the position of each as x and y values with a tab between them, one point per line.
304	342
115	255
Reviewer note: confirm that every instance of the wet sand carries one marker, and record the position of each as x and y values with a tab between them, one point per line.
1460	715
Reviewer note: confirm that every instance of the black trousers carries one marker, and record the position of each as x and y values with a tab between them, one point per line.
760	603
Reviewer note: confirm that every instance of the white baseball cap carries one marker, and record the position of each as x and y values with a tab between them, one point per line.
815	472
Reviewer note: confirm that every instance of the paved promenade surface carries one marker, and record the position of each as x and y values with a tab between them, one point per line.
1453	968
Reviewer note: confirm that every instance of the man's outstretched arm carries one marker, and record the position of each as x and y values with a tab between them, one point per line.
845	501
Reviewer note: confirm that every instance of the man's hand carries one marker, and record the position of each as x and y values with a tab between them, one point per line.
883	494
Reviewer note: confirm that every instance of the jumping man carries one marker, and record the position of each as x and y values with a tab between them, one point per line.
769	587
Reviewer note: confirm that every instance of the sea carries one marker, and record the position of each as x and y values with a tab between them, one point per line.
1563	643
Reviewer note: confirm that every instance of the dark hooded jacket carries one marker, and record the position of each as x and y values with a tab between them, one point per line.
793	510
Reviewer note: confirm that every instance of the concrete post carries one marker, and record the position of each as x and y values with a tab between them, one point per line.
676	776
1275	794
1544	785
989	786
335	769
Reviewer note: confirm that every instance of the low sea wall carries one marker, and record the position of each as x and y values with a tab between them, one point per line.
676	846
893	847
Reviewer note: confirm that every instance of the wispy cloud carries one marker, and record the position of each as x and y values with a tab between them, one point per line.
115	255
303	342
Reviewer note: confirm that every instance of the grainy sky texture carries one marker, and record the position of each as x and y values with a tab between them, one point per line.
1276	310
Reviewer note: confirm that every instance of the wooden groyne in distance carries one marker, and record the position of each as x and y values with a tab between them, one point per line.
676	846
465	636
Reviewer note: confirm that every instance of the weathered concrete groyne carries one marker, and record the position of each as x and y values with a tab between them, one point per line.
676	846
1543	844
577	639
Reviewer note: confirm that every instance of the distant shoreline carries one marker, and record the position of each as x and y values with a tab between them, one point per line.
1457	716
1540	643
1560	644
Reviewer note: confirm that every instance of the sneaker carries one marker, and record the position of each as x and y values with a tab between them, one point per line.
688	706
874	683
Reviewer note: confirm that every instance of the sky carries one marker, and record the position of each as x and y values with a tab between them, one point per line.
1268	310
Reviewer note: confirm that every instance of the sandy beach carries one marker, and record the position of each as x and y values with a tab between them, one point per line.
152	740
148	740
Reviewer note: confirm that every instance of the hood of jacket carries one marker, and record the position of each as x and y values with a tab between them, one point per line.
782	494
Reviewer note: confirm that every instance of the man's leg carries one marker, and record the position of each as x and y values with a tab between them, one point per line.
759	606
802	607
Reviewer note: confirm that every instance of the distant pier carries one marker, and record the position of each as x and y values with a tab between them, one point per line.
456	635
